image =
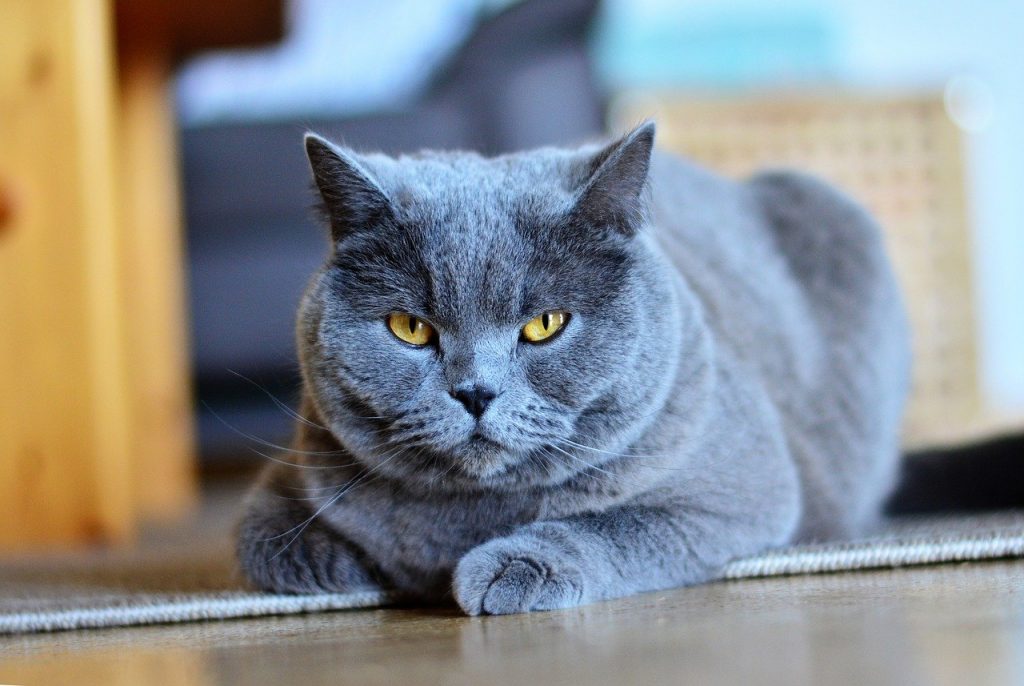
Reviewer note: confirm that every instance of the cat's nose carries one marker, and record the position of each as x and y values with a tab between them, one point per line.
475	397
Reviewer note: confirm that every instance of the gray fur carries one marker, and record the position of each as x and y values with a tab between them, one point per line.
731	379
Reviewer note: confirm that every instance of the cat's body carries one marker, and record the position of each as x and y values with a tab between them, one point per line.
731	378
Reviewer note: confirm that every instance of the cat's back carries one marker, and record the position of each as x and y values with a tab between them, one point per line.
796	283
779	255
714	232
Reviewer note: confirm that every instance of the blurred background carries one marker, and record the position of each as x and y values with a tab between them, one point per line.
916	108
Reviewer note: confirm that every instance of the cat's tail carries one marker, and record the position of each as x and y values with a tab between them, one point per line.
988	475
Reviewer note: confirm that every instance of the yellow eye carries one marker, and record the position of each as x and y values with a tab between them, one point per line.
410	329
545	326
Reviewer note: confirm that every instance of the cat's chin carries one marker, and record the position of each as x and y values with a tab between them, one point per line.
483	458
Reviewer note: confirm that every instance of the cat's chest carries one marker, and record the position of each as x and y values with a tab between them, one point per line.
416	540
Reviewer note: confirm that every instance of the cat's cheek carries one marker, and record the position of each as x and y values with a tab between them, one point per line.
572	377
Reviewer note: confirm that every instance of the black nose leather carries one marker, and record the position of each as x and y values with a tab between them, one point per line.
476	398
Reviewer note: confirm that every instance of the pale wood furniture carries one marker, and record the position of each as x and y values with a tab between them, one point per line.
95	420
66	471
151	37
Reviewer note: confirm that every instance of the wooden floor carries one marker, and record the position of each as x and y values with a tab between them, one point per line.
953	624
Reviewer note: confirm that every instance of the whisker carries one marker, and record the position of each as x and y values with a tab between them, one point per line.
329	503
607	452
299	528
268	444
571	472
591	466
329	487
448	471
537	460
620	477
284	407
297	465
632	457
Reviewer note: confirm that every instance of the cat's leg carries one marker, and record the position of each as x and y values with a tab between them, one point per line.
282	548
590	557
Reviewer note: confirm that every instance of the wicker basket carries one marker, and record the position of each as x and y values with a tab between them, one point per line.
901	158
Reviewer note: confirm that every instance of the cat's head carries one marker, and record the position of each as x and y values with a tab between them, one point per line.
478	320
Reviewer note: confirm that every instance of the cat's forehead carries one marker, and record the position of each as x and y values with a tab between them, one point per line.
463	216
478	241
472	206
468	215
466	180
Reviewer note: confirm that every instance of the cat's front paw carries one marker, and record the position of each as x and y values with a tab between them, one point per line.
313	562
518	573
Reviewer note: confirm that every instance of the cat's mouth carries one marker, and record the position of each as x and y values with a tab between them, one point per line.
481	456
478	437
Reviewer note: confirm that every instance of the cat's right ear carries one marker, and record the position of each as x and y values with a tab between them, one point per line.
352	199
613	194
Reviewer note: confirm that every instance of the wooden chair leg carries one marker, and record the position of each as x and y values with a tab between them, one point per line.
65	458
153	268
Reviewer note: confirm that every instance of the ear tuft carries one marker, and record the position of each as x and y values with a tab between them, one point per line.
351	197
612	195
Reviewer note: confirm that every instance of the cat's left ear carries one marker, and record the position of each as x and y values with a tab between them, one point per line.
613	193
352	197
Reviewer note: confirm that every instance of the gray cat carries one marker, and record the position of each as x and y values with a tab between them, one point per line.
559	376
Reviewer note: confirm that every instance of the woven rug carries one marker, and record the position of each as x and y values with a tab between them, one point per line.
186	583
